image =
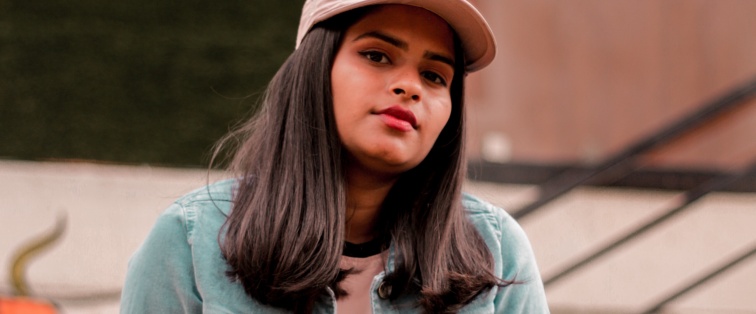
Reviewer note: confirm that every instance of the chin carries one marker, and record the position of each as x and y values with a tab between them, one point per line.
400	166
387	166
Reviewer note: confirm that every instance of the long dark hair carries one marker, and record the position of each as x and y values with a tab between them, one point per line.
284	237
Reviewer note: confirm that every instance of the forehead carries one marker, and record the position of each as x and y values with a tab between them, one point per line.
412	24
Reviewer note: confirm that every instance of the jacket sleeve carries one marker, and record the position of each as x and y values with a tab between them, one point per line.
526	294
160	276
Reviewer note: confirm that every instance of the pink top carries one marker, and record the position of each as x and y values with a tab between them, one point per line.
357	285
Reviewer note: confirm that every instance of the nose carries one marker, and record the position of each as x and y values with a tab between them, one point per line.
408	85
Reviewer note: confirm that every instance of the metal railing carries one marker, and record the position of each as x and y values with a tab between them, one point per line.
688	198
623	163
749	252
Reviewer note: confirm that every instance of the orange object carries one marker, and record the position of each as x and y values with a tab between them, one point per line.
21	305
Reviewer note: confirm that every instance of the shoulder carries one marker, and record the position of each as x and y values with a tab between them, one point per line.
505	238
514	260
205	206
221	191
485	215
179	268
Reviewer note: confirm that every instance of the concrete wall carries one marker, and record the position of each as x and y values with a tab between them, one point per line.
111	208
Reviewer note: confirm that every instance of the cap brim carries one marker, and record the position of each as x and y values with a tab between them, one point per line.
473	30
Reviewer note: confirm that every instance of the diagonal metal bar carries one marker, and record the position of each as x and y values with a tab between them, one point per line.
718	270
621	163
688	198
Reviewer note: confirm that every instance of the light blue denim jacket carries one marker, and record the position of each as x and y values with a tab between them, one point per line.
180	269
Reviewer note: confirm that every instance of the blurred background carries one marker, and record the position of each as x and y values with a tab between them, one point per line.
621	135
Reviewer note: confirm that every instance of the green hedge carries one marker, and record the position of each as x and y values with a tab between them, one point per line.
136	81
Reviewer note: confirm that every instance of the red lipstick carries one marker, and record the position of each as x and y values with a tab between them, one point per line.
398	118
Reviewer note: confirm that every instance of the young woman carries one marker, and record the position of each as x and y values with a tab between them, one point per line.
348	191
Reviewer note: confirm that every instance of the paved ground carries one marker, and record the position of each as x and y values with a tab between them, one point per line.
111	208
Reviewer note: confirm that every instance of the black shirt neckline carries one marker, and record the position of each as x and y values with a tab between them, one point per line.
362	250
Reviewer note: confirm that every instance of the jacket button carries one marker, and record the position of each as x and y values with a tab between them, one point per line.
384	290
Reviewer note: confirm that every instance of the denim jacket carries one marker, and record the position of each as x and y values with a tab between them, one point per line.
179	268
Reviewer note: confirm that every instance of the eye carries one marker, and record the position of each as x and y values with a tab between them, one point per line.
375	56
435	78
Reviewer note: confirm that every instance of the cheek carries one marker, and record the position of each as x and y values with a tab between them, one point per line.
346	81
341	96
440	119
345	109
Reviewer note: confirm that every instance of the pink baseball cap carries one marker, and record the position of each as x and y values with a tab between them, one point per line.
473	30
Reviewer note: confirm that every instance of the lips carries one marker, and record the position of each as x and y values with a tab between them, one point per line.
399	118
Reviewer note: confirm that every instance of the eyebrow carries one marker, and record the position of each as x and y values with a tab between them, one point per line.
396	42
438	57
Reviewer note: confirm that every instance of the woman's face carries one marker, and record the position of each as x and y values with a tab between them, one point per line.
390	81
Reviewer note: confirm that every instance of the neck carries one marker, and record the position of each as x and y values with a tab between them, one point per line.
365	195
